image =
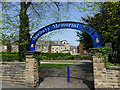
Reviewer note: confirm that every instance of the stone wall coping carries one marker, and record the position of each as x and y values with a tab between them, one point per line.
114	67
11	62
31	52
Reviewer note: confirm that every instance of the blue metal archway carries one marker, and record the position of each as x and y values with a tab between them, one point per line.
72	25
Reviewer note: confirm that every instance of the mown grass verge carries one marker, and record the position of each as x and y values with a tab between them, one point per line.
53	66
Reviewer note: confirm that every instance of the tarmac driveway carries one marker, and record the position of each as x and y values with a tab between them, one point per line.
81	76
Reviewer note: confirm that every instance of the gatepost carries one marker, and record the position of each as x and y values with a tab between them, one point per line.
99	70
32	76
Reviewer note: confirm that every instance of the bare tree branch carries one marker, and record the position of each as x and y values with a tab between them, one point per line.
9	19
57	5
28	4
35	10
48	5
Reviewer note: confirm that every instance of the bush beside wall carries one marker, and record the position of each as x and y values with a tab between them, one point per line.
10	56
62	56
14	56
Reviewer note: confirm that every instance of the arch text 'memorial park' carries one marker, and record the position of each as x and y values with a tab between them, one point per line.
68	25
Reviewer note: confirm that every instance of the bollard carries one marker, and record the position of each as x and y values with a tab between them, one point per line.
68	74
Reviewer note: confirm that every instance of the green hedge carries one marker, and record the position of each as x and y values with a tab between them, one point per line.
62	56
9	52
14	56
10	56
52	56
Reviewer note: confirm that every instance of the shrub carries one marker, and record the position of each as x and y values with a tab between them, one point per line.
59	58
14	56
86	57
10	56
62	56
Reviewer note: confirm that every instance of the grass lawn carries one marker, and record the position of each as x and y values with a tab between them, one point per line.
53	66
56	66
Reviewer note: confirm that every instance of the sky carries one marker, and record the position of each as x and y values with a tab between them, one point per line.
67	34
75	15
49	15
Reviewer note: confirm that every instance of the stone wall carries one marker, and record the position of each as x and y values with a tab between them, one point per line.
105	78
13	72
25	73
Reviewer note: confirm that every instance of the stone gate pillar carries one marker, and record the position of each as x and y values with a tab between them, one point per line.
99	71
32	76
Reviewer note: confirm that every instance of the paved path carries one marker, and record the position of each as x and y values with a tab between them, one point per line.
56	63
6	84
81	76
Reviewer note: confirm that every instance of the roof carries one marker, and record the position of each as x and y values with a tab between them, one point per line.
57	43
66	50
73	47
45	43
53	43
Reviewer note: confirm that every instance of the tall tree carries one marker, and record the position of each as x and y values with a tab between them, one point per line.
23	25
107	23
25	17
24	34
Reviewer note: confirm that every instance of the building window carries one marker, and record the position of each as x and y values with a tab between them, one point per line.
74	50
56	47
65	48
53	48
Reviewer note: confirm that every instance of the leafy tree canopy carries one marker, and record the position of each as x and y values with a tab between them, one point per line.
107	23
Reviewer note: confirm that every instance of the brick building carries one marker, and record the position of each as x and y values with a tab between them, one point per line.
51	47
81	50
74	50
